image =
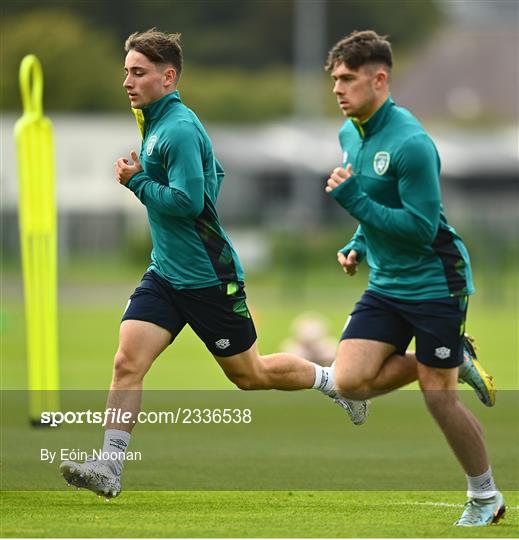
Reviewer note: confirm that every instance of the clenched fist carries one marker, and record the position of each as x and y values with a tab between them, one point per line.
124	171
338	176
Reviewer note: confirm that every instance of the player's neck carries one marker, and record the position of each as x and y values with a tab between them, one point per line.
377	103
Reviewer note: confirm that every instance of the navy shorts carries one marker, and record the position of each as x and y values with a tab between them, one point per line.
438	326
219	315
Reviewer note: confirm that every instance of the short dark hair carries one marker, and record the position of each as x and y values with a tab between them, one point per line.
158	47
360	48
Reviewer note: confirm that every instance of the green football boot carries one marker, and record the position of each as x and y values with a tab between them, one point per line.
482	512
472	373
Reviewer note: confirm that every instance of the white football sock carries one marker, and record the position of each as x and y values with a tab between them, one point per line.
116	441
482	486
324	380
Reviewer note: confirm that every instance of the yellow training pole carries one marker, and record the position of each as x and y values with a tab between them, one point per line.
38	236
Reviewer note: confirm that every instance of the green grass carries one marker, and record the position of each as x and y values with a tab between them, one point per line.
299	443
245	514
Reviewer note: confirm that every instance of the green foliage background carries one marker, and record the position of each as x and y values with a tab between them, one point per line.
238	54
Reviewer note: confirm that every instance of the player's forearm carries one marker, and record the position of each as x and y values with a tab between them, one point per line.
396	222
172	201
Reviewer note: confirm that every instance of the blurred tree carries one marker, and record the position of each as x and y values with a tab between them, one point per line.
236	95
249	33
406	22
238	53
83	71
82	65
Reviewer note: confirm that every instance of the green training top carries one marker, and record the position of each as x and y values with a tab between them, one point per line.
178	186
394	193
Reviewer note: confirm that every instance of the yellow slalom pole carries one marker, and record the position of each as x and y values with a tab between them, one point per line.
38	237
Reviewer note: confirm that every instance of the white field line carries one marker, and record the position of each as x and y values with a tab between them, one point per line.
449	505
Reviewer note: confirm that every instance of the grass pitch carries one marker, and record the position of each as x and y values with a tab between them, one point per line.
245	514
89	318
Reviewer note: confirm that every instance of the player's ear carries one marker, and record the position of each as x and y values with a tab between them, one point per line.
170	76
381	77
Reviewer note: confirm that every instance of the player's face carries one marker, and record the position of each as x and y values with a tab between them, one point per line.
356	90
145	81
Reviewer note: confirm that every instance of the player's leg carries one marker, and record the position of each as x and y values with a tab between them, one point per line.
220	317
366	368
439	350
465	436
280	371
140	343
283	371
371	358
362	379
150	323
460	427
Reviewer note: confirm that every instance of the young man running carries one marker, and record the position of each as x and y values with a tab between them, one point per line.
195	276
420	275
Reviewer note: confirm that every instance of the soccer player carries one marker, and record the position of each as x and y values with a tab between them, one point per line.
420	276
195	276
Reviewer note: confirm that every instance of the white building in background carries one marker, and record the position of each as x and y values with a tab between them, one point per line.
262	164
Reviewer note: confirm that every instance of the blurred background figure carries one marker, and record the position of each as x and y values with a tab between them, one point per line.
310	339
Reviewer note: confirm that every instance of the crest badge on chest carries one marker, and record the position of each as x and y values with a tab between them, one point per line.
151	145
381	162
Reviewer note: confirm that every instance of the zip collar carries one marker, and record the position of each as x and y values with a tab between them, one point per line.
375	121
158	108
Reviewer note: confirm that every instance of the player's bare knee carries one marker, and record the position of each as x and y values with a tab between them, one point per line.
352	387
126	368
439	387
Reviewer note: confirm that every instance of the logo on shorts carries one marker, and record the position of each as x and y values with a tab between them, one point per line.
223	343
381	162
442	353
151	145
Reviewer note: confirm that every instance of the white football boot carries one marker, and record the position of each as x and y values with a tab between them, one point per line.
357	410
97	476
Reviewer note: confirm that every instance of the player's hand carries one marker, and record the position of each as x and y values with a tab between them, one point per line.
124	171
338	176
349	263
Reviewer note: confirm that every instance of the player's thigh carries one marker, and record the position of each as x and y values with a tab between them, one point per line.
150	322
360	360
373	332
243	366
141	341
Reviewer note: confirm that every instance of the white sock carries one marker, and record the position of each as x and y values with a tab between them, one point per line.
482	486
116	441
324	380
